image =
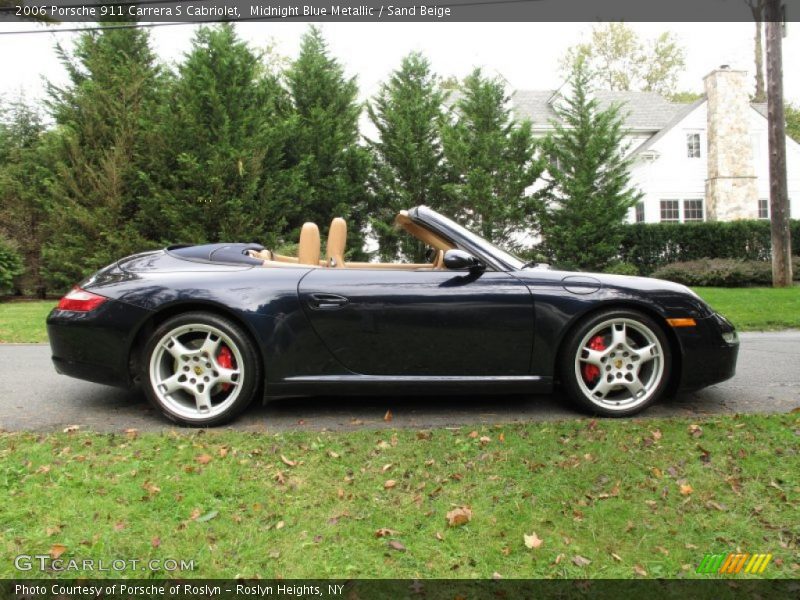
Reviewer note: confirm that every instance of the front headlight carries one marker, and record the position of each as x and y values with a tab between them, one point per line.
730	337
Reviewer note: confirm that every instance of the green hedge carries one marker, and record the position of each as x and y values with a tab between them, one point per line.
10	263
650	246
722	272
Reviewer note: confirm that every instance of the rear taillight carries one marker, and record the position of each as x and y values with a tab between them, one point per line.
79	300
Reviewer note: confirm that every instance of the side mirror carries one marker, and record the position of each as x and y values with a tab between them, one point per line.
458	260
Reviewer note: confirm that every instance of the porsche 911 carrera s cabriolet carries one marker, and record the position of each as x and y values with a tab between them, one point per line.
206	329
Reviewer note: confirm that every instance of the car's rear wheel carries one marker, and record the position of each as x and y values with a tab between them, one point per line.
200	369
616	363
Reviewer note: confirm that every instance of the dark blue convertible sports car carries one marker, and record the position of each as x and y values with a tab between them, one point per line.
206	329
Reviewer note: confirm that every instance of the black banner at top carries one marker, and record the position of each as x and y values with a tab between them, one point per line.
53	11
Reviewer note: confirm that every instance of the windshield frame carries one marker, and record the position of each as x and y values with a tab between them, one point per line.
500	259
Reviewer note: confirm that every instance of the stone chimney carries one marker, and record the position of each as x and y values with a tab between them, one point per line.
731	191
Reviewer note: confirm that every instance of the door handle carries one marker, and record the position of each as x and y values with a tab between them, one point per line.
327	301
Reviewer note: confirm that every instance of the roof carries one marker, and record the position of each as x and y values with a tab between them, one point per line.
643	111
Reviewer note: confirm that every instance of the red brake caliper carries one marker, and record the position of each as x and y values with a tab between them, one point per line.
592	372
225	360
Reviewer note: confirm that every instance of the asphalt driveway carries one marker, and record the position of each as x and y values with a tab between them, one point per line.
34	397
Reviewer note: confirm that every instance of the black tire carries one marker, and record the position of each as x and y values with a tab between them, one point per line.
202	367
629	377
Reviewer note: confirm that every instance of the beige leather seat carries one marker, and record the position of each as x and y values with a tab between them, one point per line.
308	249
337	243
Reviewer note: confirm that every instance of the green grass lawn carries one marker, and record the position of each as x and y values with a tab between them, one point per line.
23	321
750	309
607	498
756	309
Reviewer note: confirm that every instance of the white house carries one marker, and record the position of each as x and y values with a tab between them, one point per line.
707	160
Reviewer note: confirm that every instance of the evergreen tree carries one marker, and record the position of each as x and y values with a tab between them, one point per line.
25	163
106	135
589	194
408	169
227	126
325	141
492	160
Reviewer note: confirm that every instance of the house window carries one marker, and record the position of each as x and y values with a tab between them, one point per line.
692	210
763	208
670	211
640	212
693	145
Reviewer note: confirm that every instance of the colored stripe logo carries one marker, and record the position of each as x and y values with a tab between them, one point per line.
733	563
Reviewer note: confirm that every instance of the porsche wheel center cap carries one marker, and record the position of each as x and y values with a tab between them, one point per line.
198	370
617	363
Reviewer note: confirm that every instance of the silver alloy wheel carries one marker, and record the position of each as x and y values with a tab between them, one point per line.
630	365
186	375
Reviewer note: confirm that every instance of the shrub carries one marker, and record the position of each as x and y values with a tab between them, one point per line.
10	264
721	272
650	246
621	268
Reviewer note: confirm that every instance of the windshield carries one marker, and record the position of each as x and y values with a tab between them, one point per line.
477	241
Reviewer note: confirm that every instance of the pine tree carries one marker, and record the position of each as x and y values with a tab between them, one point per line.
325	141
590	193
408	170
25	163
104	118
227	126
492	160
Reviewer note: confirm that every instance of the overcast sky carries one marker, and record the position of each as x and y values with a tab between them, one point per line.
525	54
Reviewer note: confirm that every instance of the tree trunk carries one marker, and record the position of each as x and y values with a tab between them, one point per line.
758	13
778	192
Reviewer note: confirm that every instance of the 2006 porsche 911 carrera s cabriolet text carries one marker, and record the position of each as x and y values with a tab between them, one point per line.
206	329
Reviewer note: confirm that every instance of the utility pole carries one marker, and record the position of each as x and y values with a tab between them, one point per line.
778	189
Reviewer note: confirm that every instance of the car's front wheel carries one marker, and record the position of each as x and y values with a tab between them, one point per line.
200	369
616	363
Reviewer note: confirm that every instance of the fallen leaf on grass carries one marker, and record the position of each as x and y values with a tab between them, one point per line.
532	541
459	516
151	488
119	526
287	462
695	430
57	550
223	452
395	545
496	575
280	478
616	557
386	467
332	454
656	434
485	440
581	561
686	489
155	542
558	559
71	428
388	416
203	459
208	516
195	513
473	434
389	484
639	570
439	536
51	531
132	433
280	525
716	505
385	532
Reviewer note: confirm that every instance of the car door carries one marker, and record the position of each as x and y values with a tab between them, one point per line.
422	322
